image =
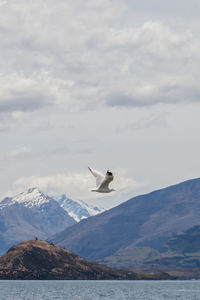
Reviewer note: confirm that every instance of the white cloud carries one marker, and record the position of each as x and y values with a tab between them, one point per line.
22	93
156	61
151	37
77	186
20	151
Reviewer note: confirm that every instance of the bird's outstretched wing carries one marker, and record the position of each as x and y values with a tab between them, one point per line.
99	177
107	179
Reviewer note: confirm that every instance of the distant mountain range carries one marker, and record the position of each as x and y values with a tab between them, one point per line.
33	214
139	227
28	215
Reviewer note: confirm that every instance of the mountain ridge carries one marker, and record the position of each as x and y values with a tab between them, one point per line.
147	220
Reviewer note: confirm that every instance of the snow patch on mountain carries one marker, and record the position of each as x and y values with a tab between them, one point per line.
78	209
30	198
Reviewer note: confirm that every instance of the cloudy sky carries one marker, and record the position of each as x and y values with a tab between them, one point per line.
105	83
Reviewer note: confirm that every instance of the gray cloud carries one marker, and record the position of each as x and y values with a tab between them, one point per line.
123	100
164	95
181	7
23	102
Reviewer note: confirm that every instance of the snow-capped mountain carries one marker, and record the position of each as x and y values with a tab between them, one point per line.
28	215
30	198
78	209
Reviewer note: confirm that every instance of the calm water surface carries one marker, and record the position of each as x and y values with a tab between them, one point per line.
94	290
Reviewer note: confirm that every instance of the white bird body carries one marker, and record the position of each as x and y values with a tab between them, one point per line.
102	182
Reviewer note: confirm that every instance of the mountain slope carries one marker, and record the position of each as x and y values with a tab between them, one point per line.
28	215
184	242
182	250
180	257
147	220
78	209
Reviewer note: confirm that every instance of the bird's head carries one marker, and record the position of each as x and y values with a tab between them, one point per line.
109	173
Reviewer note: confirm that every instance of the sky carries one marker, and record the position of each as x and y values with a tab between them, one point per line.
109	84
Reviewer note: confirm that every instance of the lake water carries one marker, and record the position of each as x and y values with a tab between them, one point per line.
94	290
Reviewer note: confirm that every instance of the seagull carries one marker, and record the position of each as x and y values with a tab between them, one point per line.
102	181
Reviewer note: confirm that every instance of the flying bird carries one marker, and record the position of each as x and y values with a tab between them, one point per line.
102	182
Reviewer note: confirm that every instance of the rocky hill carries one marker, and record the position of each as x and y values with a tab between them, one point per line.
147	221
37	259
28	215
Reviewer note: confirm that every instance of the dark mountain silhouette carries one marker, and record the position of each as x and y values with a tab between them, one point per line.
143	221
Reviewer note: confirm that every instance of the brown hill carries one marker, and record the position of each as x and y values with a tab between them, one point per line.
37	259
